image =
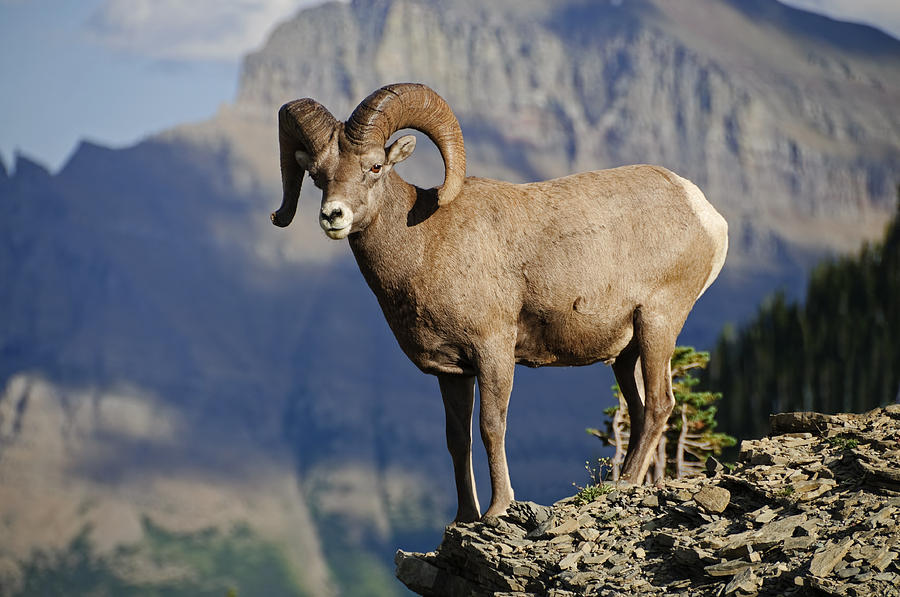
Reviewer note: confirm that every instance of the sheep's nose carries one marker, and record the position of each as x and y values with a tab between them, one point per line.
335	214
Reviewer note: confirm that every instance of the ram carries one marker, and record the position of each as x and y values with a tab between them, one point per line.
478	275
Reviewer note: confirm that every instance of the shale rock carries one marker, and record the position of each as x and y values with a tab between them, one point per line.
812	509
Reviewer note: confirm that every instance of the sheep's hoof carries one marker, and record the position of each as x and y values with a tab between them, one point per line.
466	519
489	520
495	512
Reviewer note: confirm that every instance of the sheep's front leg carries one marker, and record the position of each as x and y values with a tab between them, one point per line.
495	380
458	393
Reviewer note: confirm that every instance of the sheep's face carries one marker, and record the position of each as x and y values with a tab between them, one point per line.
353	188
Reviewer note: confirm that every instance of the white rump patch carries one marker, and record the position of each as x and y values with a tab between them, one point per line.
713	222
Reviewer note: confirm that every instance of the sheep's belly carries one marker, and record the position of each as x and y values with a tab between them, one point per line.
571	339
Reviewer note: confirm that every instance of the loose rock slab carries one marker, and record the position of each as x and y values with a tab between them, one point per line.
811	509
713	499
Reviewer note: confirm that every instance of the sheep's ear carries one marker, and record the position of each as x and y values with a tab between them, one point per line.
303	158
400	149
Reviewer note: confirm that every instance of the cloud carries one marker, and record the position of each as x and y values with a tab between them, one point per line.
195	30
884	14
227	29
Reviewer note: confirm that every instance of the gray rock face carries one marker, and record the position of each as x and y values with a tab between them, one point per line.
811	511
713	499
787	130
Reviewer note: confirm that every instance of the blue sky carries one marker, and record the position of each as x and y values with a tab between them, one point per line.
114	71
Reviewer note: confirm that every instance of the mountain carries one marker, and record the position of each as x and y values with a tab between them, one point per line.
838	347
122	391
785	119
167	357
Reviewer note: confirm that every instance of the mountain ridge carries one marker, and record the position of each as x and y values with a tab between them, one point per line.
531	109
155	267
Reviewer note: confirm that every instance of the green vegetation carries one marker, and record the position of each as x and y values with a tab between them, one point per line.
357	544
837	352
352	549
74	571
597	484
691	435
843	442
360	573
207	563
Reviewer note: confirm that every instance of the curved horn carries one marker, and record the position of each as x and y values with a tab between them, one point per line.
304	125
413	105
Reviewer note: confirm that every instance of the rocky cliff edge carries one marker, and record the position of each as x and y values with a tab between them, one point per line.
812	509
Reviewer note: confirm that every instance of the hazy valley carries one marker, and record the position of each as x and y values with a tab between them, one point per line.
167	355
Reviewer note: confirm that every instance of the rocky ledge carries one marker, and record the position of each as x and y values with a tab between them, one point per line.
812	509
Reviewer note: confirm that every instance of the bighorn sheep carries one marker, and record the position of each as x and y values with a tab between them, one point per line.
478	275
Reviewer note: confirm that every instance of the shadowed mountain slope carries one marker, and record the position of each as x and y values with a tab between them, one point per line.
169	355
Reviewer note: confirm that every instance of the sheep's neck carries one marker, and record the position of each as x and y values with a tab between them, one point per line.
389	250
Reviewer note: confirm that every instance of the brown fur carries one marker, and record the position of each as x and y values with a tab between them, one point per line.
598	266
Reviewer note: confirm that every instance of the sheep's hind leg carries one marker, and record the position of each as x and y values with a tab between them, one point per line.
628	371
495	380
656	340
458	393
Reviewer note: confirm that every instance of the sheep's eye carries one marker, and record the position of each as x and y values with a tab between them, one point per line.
375	169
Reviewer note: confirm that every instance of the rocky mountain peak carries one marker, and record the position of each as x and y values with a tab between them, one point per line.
27	169
811	509
785	119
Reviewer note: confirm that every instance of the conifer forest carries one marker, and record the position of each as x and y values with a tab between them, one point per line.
838	350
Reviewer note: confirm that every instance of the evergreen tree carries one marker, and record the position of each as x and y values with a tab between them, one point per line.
690	436
838	351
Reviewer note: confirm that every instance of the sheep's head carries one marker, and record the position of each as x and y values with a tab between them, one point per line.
350	161
354	191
